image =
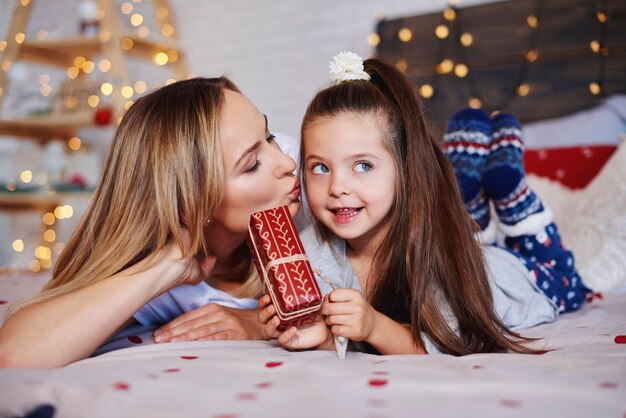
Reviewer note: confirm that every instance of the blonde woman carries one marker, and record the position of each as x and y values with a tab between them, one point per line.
188	164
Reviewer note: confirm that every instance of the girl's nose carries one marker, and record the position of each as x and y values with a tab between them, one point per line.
337	186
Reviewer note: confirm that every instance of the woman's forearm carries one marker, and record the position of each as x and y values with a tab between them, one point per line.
70	327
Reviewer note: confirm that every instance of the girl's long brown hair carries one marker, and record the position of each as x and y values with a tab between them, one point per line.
430	250
165	162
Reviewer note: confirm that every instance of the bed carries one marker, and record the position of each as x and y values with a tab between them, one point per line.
581	373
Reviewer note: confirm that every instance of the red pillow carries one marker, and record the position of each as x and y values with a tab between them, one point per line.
574	167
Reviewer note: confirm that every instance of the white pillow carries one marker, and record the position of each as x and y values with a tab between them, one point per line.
592	222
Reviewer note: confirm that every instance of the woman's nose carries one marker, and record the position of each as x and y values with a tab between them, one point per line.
284	164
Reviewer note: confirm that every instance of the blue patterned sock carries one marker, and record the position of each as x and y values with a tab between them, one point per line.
504	181
466	144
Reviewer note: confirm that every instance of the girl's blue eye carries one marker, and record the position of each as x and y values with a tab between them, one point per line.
363	167
319	169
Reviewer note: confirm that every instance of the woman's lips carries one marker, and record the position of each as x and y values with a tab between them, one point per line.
295	192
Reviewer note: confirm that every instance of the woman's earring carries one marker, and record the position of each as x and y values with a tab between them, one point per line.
208	222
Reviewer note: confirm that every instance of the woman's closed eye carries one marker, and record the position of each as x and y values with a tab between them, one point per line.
363	167
270	137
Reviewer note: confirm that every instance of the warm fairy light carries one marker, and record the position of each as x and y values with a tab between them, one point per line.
167	30
26	176
604	51
143	31
19	37
127	8
45	90
172	55
11	185
162	12
405	34
70	102
106	89
426	91
74	142
104	65
49	218
160	58
49	235
373	39
44	79
3	45
442	31
461	70
532	21
104	35
34	266
602	17
532	55
79	62
595	46
127	43
58	212
41	178
46	264
127	92
100	14
93	100
475	103
445	66
523	89
18	245
169	81
72	72
136	19
43	253
466	39
89	67
25	2
402	65
42	34
449	13
6	66
594	88
140	86
128	104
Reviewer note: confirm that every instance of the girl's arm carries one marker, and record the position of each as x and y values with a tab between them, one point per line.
350	315
70	327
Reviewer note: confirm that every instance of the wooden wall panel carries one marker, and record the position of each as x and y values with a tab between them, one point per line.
558	79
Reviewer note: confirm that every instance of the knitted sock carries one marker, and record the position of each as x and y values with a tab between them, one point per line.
520	210
466	144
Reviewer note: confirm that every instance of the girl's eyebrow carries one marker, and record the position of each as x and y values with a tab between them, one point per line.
348	158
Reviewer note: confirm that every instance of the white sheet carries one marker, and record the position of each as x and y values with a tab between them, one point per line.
585	376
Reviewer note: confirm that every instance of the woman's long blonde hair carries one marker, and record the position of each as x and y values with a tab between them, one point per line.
165	162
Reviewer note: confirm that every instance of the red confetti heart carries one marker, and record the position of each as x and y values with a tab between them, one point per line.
246	396
135	339
171	370
2	302
377	382
271	364
620	339
608	385
509	403
189	357
541	352
263	385
122	386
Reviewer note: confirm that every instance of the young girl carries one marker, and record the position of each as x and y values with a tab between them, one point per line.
396	240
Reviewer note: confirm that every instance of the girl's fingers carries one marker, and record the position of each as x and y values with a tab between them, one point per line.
336	308
204	332
289	338
270	328
264	301
341	330
343	295
338	320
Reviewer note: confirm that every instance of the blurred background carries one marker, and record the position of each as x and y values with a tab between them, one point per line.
70	68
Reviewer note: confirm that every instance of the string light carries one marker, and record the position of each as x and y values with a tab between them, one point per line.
172	55
127	8
104	65
466	39
143	31
74	143
442	31
127	92
18	245
106	89
405	34
42	34
162	12
167	30
140	86
127	44
426	91
449	13
523	89
48	219
373	39
136	19
402	65
19	37
160	58
3	45
26	176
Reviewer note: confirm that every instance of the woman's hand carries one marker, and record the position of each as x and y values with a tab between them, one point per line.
213	322
349	314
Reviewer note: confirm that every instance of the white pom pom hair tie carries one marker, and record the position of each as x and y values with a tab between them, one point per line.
347	66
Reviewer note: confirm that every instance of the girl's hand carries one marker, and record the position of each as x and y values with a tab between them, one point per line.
213	322
267	316
349	315
315	335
